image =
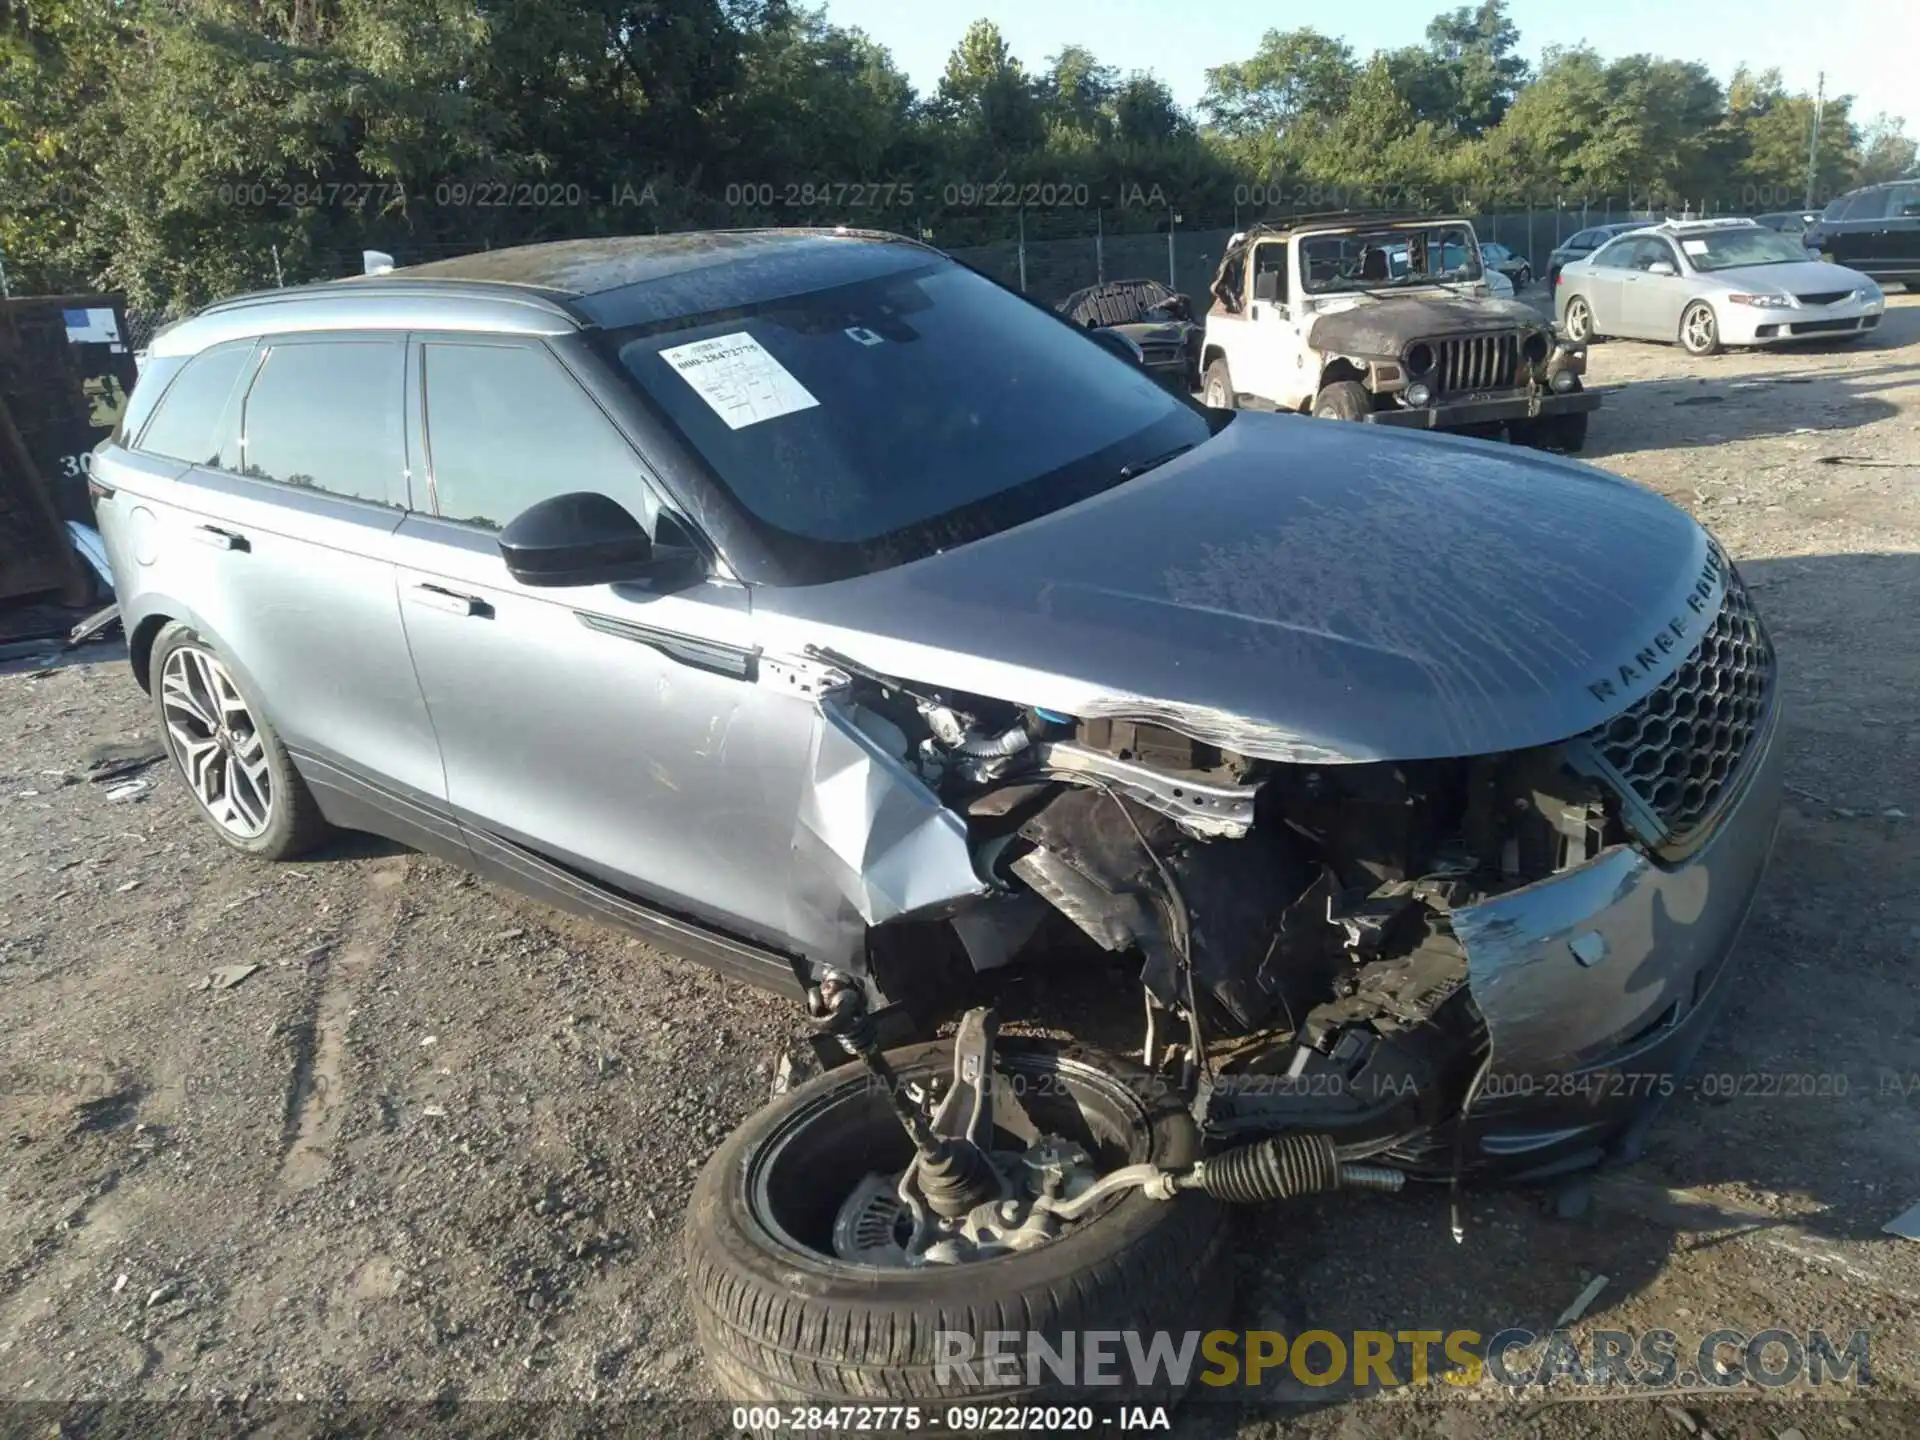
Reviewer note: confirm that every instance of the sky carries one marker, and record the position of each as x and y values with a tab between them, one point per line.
1868	48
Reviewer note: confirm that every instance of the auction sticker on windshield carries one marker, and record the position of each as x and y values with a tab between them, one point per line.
737	377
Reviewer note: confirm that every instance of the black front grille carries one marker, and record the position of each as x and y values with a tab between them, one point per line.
1675	751
1821	327
1823	297
1477	362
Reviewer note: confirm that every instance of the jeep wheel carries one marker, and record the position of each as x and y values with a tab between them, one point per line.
1523	279
1579	321
800	1286
1699	330
1217	393
1343	400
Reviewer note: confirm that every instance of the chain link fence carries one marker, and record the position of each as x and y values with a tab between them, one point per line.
1050	254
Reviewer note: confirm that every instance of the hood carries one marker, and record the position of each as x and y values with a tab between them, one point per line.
1383	326
1159	332
1797	277
1308	591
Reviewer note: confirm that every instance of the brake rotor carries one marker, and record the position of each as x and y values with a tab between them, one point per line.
873	1224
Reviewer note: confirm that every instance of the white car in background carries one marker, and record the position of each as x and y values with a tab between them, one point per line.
1709	284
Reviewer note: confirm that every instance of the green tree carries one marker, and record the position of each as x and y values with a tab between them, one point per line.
1079	92
1295	76
1887	152
987	92
1145	113
1771	137
1477	50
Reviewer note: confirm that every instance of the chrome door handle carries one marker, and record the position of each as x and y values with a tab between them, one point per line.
452	602
219	539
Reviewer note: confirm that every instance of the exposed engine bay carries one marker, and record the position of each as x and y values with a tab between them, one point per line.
1292	922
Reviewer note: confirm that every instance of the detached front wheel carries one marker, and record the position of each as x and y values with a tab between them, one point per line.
805	1287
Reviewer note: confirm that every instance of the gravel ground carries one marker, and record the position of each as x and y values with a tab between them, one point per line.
436	1146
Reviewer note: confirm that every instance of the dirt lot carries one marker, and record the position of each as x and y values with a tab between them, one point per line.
436	1146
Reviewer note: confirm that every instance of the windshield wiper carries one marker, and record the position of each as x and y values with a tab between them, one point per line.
1141	467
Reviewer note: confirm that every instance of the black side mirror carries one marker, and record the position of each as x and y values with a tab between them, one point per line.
1119	344
576	539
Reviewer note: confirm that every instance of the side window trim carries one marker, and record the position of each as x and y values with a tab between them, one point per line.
229	411
264	346
419	411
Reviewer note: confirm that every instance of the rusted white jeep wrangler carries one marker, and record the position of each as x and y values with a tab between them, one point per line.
1390	321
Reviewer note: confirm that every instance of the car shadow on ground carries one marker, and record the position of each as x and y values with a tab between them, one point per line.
1791	1144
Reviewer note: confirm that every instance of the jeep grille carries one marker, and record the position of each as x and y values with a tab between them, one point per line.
1673	754
1477	362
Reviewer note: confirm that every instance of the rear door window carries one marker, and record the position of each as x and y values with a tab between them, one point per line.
1867	205
329	415
1650	250
1904	202
508	426
1616	256
195	411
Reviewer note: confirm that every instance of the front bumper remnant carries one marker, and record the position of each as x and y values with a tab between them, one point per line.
1597	986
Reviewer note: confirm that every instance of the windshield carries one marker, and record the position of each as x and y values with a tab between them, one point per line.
879	421
1388	259
1725	249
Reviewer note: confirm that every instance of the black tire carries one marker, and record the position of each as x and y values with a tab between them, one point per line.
294	823
1216	386
1343	400
1699	330
780	1321
1524	279
1578	321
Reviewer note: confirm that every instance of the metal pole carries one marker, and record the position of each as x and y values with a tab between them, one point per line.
1023	249
6	290
1099	248
278	279
1813	147
1173	219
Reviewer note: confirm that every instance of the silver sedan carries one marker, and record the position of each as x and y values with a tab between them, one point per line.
1709	284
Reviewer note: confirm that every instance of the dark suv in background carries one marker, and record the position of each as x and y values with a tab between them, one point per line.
1875	230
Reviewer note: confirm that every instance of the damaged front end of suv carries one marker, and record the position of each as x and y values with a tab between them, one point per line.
1397	955
1366	958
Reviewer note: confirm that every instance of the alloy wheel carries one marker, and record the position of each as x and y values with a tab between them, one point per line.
216	742
1579	321
1698	330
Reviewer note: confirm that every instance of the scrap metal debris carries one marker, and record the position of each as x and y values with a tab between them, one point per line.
163	1293
1581	1301
127	790
1906	1224
116	759
226	977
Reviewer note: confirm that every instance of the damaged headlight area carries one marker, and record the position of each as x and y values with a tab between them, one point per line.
1294	924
